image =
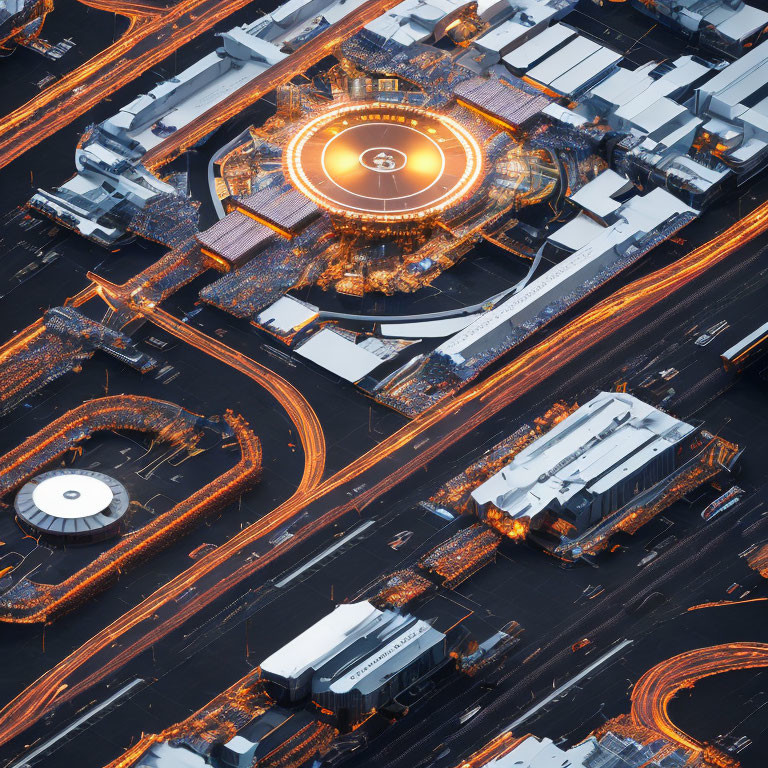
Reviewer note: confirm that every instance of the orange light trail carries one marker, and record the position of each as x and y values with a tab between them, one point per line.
154	35
296	406
657	687
297	63
169	423
115	648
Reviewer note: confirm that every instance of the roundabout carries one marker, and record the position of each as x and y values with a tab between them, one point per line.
383	162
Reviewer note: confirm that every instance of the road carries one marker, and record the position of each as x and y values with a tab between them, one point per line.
167	422
382	468
299	411
657	687
151	38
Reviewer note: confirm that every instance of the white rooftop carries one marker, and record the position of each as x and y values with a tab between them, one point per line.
597	196
592	449
322	640
560	62
72	496
389	641
339	355
577	232
287	315
532	753
531	51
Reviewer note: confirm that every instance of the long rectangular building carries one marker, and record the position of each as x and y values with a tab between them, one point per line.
585	468
233	240
752	347
286	212
354	660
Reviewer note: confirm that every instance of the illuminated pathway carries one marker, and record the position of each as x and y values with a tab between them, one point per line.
135	11
657	687
299	411
35	329
385	466
167	422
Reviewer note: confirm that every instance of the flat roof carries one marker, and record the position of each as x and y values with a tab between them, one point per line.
287	315
563	114
309	649
356	646
740	78
592	449
501	37
587	70
743	23
338	355
72	495
562	61
576	233
524	57
597	195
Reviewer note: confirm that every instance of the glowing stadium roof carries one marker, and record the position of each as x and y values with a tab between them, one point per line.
383	162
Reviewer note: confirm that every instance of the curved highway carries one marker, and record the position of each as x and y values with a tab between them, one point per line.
298	409
657	687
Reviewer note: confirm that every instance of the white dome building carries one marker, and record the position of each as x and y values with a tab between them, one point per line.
72	505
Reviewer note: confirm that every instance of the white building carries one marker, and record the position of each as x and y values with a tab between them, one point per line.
588	466
724	25
353	660
110	179
596	248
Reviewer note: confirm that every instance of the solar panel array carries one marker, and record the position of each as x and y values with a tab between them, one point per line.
512	105
236	238
290	210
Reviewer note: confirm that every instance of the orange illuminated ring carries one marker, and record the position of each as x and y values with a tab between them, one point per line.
382	162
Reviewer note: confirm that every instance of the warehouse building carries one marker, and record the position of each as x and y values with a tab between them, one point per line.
355	659
588	466
726	26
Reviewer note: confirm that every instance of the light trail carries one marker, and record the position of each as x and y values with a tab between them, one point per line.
168	423
143	46
135	11
225	567
724	603
298	409
657	687
151	38
23	337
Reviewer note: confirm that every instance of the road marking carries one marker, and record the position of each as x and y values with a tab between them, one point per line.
46	745
315	560
565	686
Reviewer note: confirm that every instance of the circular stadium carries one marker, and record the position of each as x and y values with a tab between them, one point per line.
72	505
383	162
